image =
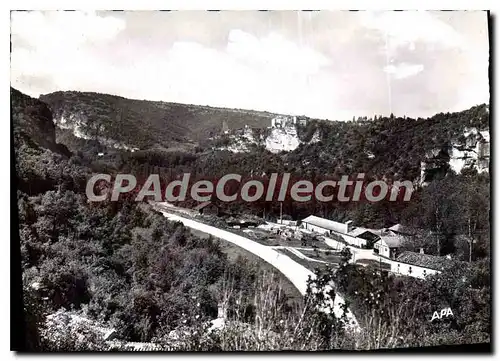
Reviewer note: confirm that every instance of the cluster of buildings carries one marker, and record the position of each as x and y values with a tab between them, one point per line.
386	243
354	236
283	121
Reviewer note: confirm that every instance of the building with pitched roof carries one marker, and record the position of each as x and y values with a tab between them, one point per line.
399	229
419	265
355	236
387	246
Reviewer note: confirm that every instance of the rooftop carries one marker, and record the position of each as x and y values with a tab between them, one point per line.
399	228
425	260
358	231
396	227
368	233
391	241
326	224
340	227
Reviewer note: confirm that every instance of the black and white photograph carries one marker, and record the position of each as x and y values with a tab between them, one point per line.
250	180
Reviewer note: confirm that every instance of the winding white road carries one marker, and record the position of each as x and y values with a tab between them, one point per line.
293	271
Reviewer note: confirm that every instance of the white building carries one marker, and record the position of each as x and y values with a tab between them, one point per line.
323	225
287	222
355	236
419	265
387	246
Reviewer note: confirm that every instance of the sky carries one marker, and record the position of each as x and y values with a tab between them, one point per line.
322	64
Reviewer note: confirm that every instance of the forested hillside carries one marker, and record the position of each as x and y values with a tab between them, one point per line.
129	268
145	124
123	264
41	163
385	146
390	148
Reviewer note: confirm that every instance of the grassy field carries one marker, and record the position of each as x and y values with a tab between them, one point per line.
268	238
310	265
330	257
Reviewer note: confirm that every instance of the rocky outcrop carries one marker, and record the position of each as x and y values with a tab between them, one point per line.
472	151
79	126
41	163
32	121
469	151
435	165
243	140
281	136
282	139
